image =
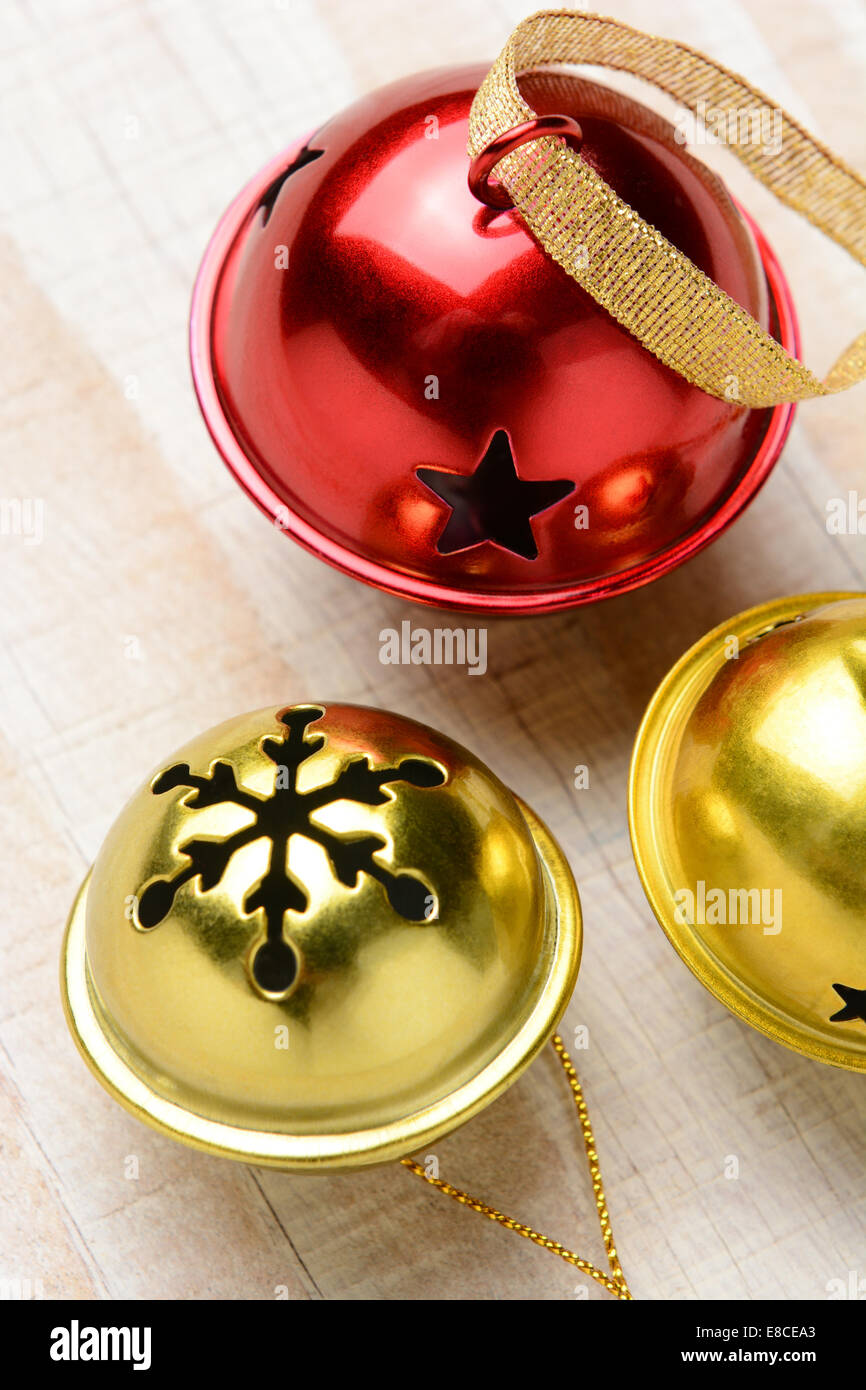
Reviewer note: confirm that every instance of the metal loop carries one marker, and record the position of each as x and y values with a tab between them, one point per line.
484	163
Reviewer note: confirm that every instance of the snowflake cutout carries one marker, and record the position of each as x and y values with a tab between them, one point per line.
285	812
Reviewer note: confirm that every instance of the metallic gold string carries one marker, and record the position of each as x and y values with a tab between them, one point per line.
615	1282
648	285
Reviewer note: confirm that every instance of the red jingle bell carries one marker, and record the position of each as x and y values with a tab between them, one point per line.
407	383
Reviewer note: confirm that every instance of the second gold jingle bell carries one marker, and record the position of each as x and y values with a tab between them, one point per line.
747	805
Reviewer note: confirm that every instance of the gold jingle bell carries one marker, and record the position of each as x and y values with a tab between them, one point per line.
319	937
747	807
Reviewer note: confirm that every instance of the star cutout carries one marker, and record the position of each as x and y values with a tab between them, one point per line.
272	192
493	503
855	1004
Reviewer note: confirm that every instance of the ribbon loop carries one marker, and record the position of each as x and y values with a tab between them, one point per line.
628	267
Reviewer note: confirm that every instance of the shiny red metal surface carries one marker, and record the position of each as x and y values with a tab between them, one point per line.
407	384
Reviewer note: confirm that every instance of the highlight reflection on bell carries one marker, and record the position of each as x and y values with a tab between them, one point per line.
409	386
318	937
748	819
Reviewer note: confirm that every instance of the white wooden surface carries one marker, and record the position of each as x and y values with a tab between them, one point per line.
126	129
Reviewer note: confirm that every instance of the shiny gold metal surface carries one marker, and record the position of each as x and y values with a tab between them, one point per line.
319	937
747	806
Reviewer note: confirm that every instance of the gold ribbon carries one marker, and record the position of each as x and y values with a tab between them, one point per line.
627	266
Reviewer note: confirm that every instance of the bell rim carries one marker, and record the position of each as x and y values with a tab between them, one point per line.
310	1153
412	588
677	692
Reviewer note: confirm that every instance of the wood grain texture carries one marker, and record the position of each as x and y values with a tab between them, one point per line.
127	128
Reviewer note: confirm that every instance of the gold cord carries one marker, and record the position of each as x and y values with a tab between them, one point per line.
615	1282
628	267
